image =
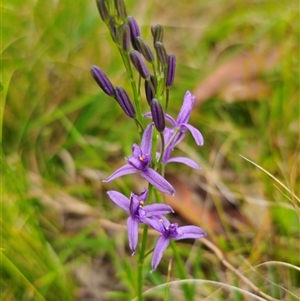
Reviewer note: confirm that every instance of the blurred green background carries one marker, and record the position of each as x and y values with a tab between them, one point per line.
61	135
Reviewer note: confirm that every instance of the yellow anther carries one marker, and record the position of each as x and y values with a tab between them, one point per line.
141	158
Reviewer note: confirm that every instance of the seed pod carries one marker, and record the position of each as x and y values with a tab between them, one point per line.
171	69
139	64
103	11
121	9
102	80
124	102
134	31
144	49
148	91
158	115
157	33
125	37
161	53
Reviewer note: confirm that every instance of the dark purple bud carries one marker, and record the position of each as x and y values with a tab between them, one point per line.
125	37
102	10
124	102
161	53
171	69
121	9
113	30
148	90
157	33
158	115
134	31
144	49
102	80
139	64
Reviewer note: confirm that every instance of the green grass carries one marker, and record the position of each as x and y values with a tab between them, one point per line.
61	135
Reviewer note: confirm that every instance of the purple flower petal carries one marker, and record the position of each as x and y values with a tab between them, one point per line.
132	228
136	163
171	120
146	145
124	170
161	245
136	150
196	134
158	181
148	115
119	199
157	209
186	109
189	232
187	161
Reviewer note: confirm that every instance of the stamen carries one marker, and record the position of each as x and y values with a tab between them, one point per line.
141	158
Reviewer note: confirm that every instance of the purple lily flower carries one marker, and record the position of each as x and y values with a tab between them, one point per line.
138	212
183	117
170	231
140	162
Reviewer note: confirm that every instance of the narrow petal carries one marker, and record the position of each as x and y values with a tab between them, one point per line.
158	181
171	120
136	150
187	161
196	134
155	223
146	145
119	199
157	209
186	109
161	245
133	232
190	232
122	171
148	115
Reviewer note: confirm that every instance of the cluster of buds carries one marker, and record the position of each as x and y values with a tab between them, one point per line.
147	159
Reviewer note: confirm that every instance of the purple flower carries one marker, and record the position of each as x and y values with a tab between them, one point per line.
140	162
170	231
138	212
183	117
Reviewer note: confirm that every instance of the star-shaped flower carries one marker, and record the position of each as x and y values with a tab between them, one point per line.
138	212
170	231
140	162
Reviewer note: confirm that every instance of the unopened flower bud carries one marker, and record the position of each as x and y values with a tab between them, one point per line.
121	9
171	69
144	49
157	33
158	115
148	90
103	11
113	30
139	64
102	80
124	102
134	31
161	53
125	37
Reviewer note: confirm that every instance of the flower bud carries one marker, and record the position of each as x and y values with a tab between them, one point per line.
171	69
125	37
148	91
134	31
139	64
102	80
144	49
124	102
161	53
121	9
157	33
158	116
113	30
103	11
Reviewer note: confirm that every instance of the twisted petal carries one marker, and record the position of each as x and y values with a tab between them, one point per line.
161	245
187	161
119	199
196	134
158	181
186	109
171	120
124	170
189	232
146	145
132	228
157	209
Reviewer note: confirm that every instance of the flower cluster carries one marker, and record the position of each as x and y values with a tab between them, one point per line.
148	159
